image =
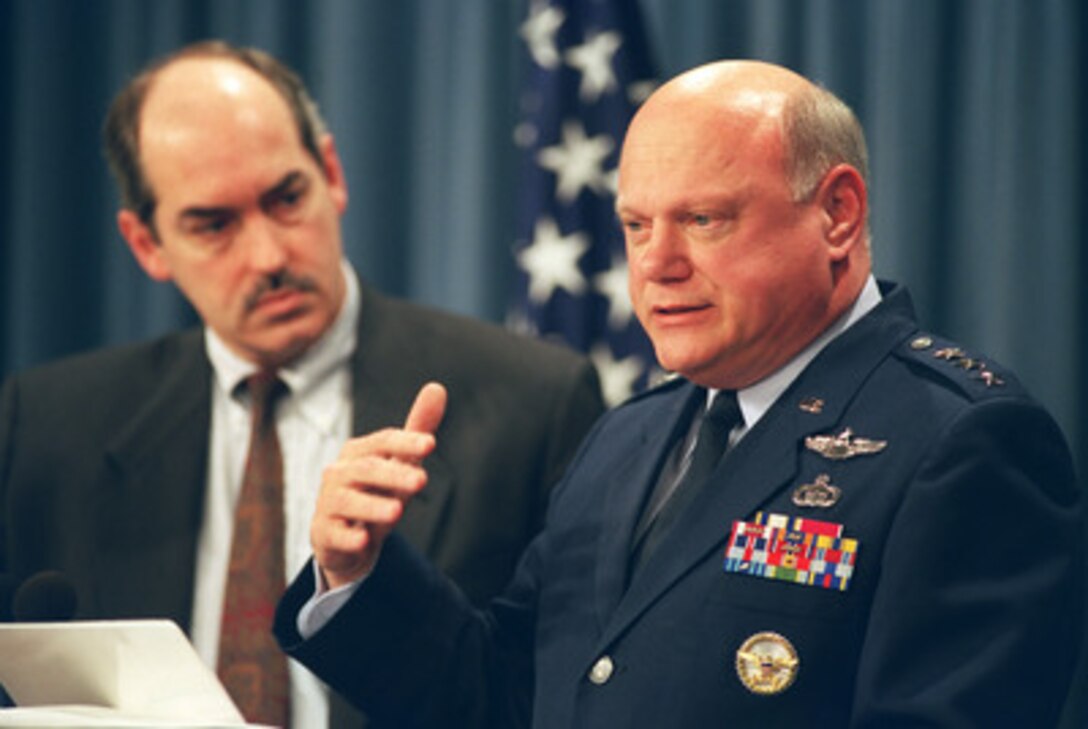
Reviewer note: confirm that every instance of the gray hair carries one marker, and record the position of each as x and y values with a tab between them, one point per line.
819	132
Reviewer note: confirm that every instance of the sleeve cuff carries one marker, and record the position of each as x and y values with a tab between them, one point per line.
323	604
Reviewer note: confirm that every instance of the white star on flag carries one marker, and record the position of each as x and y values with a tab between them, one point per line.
577	161
612	181
551	261
539	34
639	91
594	59
618	376
613	285
586	69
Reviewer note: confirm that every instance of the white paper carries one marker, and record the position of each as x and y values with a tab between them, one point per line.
40	717
143	669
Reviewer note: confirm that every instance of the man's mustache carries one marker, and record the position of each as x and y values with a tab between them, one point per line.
277	282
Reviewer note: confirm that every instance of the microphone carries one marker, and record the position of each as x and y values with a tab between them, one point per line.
45	597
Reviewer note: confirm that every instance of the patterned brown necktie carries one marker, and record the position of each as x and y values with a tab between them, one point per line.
251	665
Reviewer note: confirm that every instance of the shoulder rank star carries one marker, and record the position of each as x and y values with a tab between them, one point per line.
844	445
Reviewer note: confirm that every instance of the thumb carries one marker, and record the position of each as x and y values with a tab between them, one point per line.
428	409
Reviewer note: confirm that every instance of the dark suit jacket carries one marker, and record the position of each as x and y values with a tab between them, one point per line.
103	456
964	609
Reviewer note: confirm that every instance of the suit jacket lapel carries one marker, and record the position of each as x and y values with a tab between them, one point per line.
153	505
766	459
386	378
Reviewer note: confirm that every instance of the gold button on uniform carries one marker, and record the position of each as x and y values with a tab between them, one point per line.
601	671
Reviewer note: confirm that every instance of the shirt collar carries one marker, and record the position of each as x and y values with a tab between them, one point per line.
309	371
755	400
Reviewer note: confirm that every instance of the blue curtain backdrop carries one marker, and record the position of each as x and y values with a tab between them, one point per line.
975	111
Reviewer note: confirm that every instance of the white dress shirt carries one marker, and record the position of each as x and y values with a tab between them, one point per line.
313	422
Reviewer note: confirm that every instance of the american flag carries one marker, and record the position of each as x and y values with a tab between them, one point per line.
588	69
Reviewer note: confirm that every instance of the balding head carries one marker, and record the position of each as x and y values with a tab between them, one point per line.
744	215
188	92
813	128
123	121
195	105
736	86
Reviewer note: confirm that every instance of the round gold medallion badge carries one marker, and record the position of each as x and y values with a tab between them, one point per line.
767	663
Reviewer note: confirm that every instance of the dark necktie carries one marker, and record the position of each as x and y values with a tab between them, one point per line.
251	665
710	445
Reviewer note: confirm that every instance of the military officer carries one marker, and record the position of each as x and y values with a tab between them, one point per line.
832	518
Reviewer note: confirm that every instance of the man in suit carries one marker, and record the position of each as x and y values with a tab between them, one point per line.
122	468
891	538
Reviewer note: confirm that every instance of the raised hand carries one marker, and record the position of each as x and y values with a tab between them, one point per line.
364	493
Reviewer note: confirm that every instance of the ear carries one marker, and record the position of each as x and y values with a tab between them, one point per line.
144	246
334	173
843	199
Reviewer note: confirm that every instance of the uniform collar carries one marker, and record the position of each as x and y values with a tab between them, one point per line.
757	399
